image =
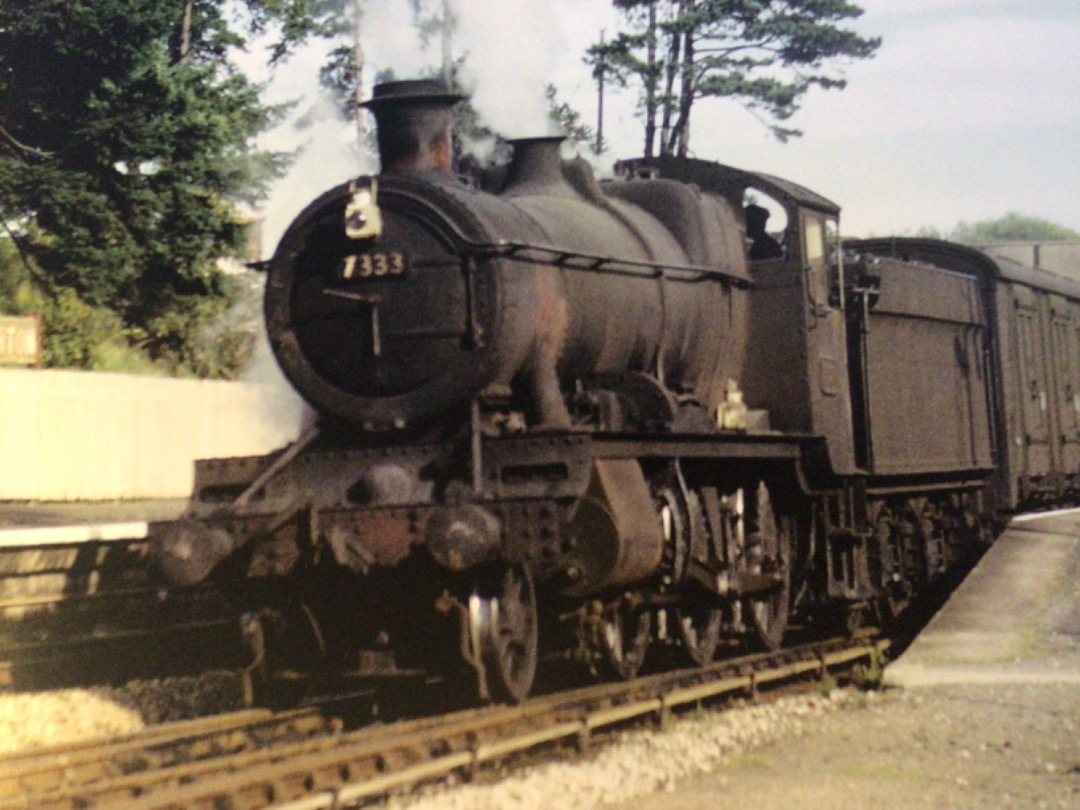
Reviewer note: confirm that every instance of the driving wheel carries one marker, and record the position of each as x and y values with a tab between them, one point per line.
624	629
767	551
502	618
699	632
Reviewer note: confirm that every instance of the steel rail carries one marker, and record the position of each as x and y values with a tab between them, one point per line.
89	760
28	605
63	775
73	591
342	769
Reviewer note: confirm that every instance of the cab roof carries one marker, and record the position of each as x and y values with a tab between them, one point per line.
728	180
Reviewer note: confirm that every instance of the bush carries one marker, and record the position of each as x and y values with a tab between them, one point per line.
78	335
18	293
209	337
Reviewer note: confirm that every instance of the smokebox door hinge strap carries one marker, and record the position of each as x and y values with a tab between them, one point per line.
473	330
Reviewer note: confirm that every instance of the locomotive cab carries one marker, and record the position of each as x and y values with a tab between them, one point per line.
796	365
799	367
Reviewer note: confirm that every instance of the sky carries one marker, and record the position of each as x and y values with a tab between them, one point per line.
969	110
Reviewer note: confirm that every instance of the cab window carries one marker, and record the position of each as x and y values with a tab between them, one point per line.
814	238
766	226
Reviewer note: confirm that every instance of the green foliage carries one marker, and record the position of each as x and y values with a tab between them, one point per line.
1012	227
126	139
432	18
296	21
930	232
342	73
765	54
568	119
206	336
214	340
871	675
826	685
18	293
78	334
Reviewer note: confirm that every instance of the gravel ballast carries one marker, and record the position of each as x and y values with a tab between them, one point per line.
34	720
961	747
45	719
640	762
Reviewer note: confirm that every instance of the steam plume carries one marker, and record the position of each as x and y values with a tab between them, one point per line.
510	57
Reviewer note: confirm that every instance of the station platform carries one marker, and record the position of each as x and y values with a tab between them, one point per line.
1014	619
42	523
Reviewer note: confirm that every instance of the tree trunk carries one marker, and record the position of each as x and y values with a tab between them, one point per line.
600	101
672	72
686	97
358	74
447	44
651	81
183	39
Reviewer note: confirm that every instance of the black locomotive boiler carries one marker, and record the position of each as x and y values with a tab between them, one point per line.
571	418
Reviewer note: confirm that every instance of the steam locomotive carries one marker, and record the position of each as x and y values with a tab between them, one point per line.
563	417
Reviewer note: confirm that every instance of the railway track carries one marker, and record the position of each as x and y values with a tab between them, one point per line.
41	567
302	761
122	768
78	606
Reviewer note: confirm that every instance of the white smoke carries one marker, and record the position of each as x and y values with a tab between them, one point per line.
512	51
391	42
282	406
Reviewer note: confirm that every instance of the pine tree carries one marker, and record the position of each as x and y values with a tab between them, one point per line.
765	54
126	139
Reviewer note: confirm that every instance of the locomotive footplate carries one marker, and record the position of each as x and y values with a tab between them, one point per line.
553	465
558	464
763	447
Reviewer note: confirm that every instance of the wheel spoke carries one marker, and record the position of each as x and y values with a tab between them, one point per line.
625	633
684	529
505	626
699	632
768	551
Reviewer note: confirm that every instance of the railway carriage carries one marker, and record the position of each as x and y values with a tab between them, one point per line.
572	419
1035	338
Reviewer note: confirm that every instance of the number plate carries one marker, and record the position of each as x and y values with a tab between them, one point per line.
374	265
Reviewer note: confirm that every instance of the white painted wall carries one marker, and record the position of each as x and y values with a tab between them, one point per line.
71	435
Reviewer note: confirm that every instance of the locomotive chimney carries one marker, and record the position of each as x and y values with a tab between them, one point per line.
536	167
413	123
